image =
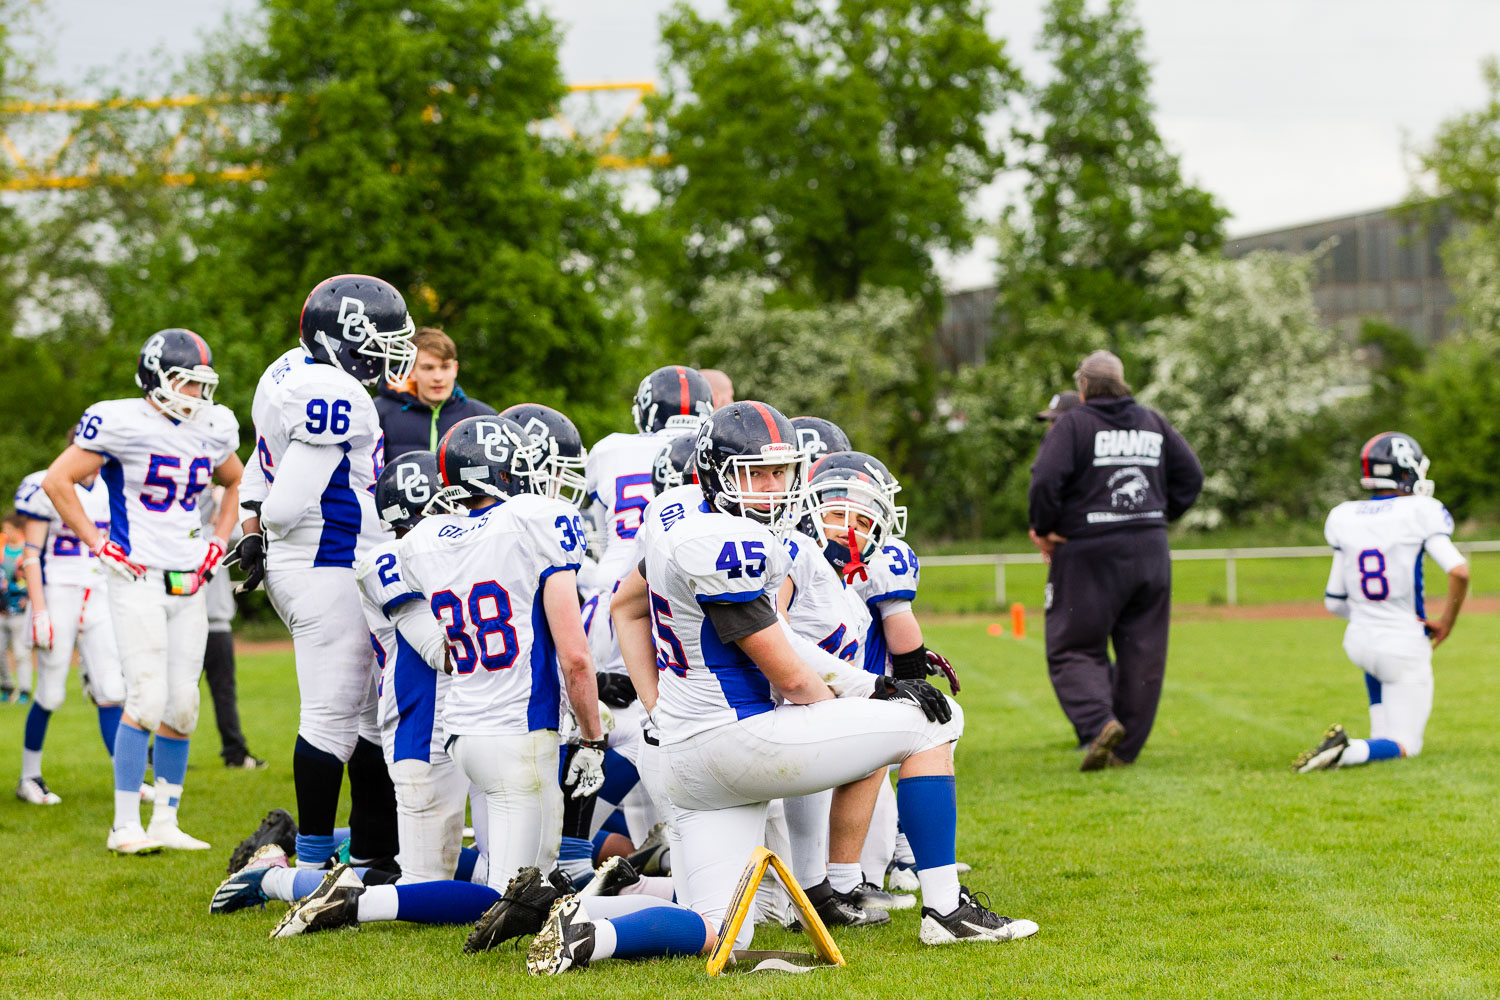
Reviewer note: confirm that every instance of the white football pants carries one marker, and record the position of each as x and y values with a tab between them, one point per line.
1401	695
722	781
430	801
522	799
15	632
80	616
336	672
160	639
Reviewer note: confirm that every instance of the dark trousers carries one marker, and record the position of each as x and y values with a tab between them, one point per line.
218	670
1111	588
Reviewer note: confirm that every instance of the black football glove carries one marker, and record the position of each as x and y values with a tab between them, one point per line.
615	690
249	555
937	663
919	693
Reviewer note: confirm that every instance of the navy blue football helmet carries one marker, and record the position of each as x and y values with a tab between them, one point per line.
405	488
818	437
736	440
853	501
488	456
360	325
563	454
171	359
674	396
1394	461
674	465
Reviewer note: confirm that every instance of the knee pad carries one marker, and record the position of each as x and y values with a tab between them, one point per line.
182	710
147	704
51	686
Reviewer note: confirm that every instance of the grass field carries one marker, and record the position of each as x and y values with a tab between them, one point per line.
1207	870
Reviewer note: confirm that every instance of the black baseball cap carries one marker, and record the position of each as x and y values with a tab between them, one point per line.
1060	404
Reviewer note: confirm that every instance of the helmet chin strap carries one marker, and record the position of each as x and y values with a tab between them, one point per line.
856	565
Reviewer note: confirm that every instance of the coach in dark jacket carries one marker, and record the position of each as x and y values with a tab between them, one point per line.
415	419
1108	477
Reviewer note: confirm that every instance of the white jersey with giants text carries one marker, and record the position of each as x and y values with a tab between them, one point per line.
155	470
298	399
482	575
695	556
66	561
1380	544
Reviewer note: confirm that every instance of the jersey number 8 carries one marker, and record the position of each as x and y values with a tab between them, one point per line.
1372	581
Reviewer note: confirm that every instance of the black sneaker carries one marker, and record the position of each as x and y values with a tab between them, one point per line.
648	859
1325	755
612	876
869	896
566	940
277	828
1096	757
521	911
973	920
249	762
837	910
334	903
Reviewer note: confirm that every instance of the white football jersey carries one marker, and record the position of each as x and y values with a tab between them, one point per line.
822	608
483	575
155	469
66	560
891	575
411	692
298	399
618	476
696	556
1381	543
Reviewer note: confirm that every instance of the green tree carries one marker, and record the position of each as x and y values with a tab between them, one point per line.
826	147
1453	416
1103	193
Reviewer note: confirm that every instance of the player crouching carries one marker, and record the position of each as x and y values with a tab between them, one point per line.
704	647
1376	583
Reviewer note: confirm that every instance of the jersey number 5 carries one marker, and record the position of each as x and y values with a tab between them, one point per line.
489	621
669	652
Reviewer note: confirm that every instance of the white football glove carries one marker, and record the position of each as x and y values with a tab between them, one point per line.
585	769
41	629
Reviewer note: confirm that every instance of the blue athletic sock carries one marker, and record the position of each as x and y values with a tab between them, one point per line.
928	807
467	859
444	902
659	931
305	880
312	849
130	758
615	823
620	776
36	727
1384	749
170	761
109	724
575	849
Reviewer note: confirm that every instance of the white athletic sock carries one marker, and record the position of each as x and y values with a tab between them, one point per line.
939	888
277	884
481	874
610	907
655	886
604	940
31	764
127	809
378	902
844	877
161	810
903	851
1357	752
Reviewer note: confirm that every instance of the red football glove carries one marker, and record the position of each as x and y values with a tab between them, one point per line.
211	559
115	558
937	663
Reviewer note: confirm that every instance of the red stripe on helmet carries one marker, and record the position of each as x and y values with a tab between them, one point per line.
443	461
765	415
687	395
1364	454
202	349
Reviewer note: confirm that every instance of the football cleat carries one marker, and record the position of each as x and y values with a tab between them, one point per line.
973	920
170	836
902	877
243	889
1326	755
35	791
521	911
334	903
1096	757
148	793
131	840
277	828
869	896
249	762
612	876
650	857
836	909
566	940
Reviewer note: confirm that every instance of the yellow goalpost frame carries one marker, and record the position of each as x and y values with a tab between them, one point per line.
744	898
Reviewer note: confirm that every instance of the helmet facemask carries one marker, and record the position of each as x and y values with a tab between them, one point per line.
395	347
170	398
778	509
839	505
562	478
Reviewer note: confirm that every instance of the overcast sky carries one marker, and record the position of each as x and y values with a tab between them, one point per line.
1288	110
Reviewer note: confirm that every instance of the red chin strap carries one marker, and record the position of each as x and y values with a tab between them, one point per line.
856	565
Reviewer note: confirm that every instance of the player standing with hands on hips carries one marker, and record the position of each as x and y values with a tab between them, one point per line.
1376	583
156	456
